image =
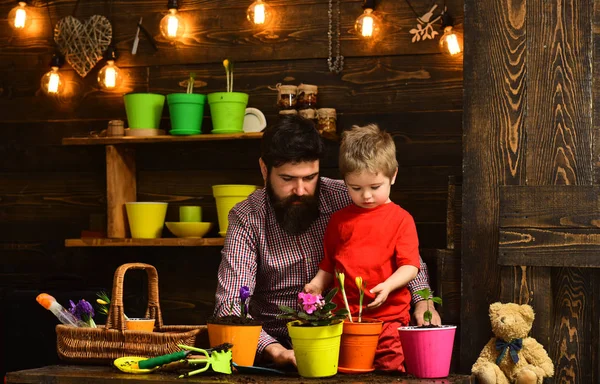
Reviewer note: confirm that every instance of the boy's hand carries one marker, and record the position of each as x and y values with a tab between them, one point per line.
381	292
313	289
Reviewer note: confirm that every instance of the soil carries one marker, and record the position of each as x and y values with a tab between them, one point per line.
233	320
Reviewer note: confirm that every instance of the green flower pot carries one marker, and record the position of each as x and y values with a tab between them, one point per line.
144	110
186	110
227	110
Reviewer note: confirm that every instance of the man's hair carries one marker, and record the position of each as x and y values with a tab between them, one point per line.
367	149
293	139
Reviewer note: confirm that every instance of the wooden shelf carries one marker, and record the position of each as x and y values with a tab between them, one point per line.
157	139
167	242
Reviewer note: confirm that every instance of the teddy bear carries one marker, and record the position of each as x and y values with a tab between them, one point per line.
511	356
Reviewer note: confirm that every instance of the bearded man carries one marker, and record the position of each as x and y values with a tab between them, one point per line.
274	240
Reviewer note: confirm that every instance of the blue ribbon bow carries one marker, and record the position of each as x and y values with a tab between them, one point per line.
514	347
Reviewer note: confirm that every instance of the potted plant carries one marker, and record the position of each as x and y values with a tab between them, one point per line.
428	348
187	110
360	335
227	109
315	333
242	331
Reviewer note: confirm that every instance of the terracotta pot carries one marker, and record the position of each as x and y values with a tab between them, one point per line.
243	337
358	345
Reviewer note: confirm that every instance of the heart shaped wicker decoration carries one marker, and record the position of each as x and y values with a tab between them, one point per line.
83	44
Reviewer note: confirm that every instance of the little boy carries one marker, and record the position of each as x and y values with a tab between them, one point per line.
372	238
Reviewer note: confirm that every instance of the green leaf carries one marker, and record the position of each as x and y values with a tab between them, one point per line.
427	316
287	309
330	295
437	300
328	307
425	293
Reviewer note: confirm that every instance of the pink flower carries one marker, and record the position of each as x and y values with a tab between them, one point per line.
309	302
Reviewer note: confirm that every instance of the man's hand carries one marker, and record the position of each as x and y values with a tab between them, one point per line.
381	292
280	355
420	308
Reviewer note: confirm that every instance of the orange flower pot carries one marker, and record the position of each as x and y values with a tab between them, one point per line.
358	346
243	337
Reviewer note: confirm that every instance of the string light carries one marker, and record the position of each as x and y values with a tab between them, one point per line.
109	77
19	18
451	41
52	82
368	25
172	26
260	13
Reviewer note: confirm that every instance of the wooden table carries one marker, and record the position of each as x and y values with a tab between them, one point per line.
81	374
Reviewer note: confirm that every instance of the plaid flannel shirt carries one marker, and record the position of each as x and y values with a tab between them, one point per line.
259	254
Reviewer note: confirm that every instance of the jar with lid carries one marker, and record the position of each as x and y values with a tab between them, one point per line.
327	122
310	114
287	96
307	96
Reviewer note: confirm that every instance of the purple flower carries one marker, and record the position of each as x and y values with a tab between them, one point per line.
244	295
82	310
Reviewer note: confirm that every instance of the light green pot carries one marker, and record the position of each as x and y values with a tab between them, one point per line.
227	110
317	349
144	110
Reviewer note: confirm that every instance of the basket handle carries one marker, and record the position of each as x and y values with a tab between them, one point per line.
116	318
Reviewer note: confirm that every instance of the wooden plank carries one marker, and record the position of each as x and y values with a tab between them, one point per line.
550	206
573	293
549	247
493	152
163	242
76	374
559	136
156	139
215	31
120	188
388	83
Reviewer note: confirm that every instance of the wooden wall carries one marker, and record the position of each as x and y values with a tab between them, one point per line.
50	192
530	156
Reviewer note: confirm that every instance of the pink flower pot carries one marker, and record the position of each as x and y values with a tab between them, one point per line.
427	351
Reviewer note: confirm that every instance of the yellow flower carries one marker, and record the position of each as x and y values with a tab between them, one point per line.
341	277
359	282
226	63
101	302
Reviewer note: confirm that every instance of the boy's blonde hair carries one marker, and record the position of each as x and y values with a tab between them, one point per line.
367	149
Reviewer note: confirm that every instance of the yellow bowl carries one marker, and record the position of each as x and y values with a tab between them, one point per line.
188	229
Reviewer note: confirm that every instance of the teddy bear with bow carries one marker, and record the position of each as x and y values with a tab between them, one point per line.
511	356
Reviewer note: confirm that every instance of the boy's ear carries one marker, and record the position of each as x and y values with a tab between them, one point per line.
263	169
395	174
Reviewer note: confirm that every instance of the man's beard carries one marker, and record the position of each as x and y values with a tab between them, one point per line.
295	213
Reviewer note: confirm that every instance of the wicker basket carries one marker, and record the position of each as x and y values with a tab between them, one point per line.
106	343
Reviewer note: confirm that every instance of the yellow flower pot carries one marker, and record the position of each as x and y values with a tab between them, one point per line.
317	349
227	196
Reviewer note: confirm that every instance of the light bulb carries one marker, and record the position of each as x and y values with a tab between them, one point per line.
172	26
451	42
368	25
18	17
109	77
260	13
52	83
